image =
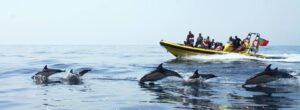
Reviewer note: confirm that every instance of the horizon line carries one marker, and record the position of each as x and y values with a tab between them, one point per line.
108	45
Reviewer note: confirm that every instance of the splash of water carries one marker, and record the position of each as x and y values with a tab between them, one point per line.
292	58
237	57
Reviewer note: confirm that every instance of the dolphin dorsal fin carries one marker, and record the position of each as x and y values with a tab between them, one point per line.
45	67
196	72
276	69
71	71
195	75
160	66
268	68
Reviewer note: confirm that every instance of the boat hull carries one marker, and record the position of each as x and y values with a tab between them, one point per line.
180	50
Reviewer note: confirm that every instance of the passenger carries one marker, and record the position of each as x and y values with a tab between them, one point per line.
247	39
245	45
211	44
236	42
219	46
216	45
199	41
191	41
230	41
255	45
228	47
189	37
206	42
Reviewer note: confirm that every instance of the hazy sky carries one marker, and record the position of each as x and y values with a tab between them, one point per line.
145	21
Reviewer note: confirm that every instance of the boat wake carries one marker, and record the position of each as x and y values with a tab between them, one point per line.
293	58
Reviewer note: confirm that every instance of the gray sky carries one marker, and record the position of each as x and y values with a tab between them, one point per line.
145	21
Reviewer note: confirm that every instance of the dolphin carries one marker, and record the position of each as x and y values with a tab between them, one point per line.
158	74
268	75
196	77
41	77
75	78
203	76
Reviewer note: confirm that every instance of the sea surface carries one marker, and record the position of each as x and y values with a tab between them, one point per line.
113	82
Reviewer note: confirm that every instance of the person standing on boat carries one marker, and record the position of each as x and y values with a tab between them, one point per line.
199	41
189	39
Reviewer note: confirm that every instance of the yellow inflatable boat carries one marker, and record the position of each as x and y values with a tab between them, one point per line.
179	50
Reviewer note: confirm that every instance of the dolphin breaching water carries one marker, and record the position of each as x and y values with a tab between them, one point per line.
41	77
268	75
203	76
196	77
74	78
159	73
